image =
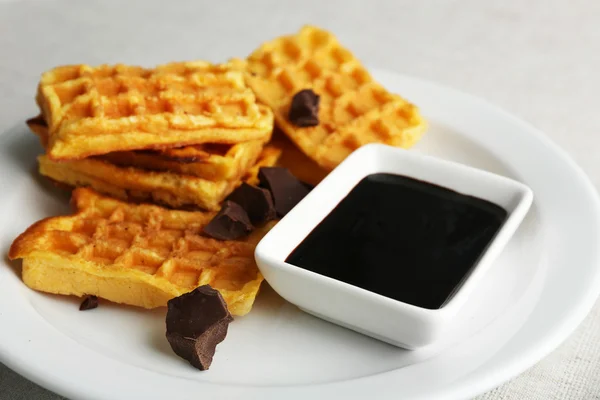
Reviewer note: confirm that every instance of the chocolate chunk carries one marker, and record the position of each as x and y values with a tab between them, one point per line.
196	323
257	202
304	110
39	120
308	186
89	303
231	223
286	189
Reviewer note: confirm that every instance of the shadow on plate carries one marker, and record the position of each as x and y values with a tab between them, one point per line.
157	340
22	148
15	266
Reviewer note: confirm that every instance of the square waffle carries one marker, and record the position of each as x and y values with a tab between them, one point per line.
354	109
142	255
166	188
98	110
298	163
210	161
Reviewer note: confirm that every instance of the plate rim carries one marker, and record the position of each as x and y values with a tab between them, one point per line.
479	383
495	375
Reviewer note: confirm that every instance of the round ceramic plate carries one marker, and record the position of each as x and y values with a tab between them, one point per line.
535	294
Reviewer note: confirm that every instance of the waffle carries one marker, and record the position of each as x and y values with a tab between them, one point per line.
209	161
142	255
166	188
98	110
354	109
298	163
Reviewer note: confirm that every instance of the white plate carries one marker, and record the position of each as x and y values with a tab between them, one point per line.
535	294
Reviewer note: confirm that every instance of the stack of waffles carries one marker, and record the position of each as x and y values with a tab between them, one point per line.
182	134
185	135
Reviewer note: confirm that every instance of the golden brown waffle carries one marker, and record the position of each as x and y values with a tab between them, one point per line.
354	109
298	163
98	110
209	161
166	188
142	255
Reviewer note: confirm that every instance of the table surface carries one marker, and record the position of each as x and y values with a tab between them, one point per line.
538	59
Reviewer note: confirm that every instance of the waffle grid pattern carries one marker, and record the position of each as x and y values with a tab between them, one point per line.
145	242
354	109
96	110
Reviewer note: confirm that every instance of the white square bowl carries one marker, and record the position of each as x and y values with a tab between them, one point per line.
381	317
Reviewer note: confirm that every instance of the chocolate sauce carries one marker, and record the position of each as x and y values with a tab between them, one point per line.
402	238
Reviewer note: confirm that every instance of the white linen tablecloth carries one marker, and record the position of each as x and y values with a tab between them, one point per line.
537	59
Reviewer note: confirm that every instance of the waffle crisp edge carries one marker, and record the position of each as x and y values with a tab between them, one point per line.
49	265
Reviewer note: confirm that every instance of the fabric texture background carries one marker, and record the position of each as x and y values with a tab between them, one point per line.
537	59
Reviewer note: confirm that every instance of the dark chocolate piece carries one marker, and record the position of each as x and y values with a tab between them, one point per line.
304	110
196	323
286	189
89	303
39	120
231	223
256	201
308	186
